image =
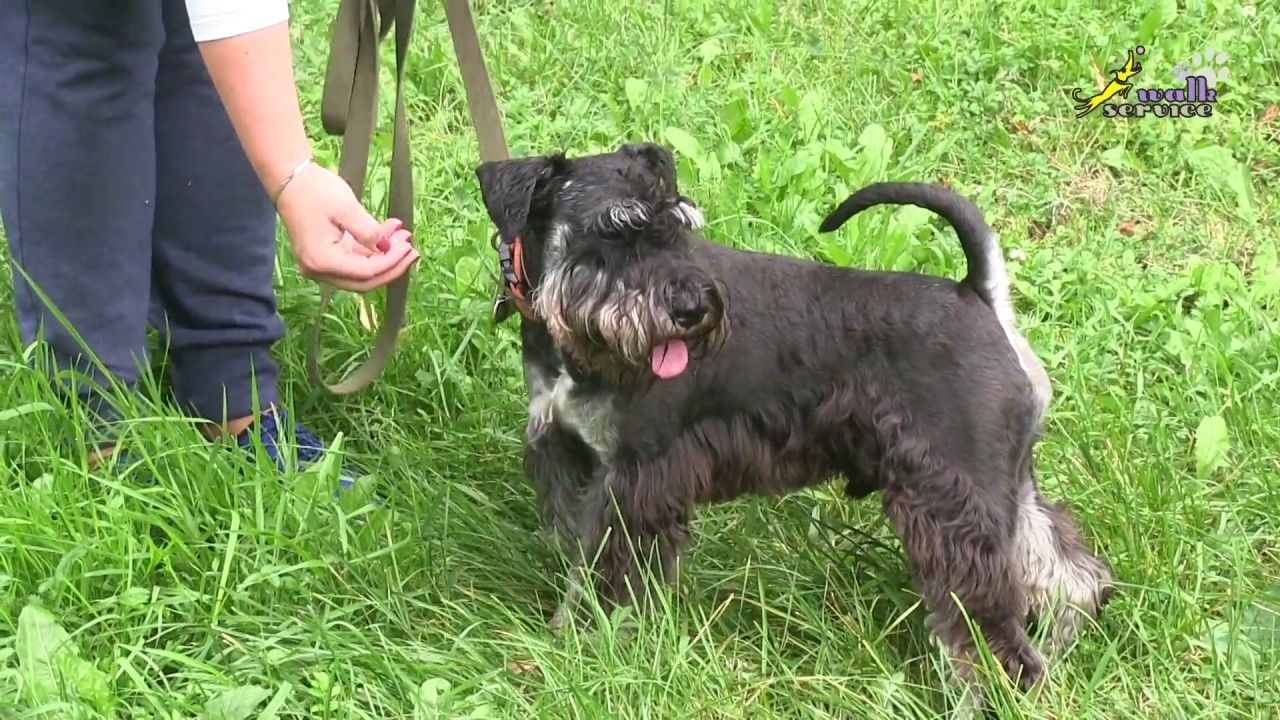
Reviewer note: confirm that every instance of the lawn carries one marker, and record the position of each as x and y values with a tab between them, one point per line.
1144	257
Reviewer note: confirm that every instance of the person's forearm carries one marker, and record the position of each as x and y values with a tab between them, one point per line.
253	72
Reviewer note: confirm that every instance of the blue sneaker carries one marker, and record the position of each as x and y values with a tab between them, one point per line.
270	428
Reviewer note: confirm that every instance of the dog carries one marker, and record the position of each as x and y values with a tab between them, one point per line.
667	371
1119	85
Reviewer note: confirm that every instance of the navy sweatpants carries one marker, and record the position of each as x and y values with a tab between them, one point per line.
127	200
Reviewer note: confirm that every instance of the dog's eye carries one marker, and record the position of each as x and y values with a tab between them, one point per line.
624	215
617	236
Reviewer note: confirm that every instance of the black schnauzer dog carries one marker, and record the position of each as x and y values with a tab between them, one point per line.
665	371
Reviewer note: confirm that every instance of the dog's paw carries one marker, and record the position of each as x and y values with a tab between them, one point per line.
1026	667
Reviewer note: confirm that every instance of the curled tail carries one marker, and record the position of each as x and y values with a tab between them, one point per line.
982	253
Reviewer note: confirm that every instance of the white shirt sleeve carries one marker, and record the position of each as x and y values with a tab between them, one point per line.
218	19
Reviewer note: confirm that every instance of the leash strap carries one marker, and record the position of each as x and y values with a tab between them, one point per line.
475	77
349	108
483	108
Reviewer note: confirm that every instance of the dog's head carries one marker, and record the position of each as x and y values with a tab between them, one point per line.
604	244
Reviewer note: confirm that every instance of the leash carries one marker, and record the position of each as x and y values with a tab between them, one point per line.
349	108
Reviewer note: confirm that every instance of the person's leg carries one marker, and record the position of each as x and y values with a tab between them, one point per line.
77	179
214	243
214	258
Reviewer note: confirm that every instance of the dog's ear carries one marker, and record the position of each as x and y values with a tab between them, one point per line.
659	161
508	188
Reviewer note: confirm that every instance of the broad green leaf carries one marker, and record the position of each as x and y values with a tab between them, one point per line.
1227	641
637	90
1212	444
1219	167
876	147
237	703
1160	12
466	271
431	699
710	49
1265	280
50	664
134	597
1120	158
684	144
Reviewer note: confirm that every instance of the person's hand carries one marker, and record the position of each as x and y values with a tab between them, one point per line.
335	240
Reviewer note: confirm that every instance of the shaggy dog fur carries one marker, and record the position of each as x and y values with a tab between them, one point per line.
666	371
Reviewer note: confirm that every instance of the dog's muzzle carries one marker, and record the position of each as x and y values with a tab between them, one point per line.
696	311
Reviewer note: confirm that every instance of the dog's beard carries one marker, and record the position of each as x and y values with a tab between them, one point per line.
610	329
586	312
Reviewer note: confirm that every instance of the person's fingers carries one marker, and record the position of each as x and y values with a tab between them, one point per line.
362	286
349	243
399	269
338	264
367	231
348	265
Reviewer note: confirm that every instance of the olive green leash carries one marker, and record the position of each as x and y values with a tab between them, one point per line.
349	108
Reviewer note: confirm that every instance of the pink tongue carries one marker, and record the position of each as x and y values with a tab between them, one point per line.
670	358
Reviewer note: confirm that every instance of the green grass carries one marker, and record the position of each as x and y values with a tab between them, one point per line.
1146	276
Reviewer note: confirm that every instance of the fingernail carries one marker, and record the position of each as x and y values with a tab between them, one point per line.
396	224
384	244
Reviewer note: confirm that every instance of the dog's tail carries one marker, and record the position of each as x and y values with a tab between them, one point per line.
1075	95
987	274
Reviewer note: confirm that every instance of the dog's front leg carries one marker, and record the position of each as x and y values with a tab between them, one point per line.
637	521
560	467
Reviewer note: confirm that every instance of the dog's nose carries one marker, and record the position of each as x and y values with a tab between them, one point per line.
688	318
688	309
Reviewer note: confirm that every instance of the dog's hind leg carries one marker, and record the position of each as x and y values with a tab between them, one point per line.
958	546
1066	583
